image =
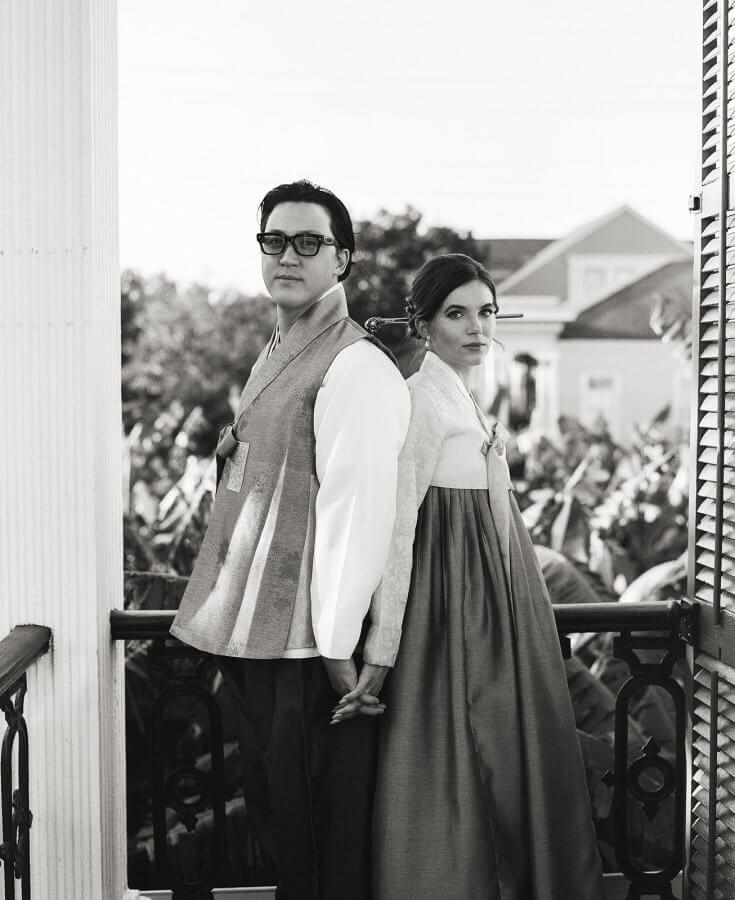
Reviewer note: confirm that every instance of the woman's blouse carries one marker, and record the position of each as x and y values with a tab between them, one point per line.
449	444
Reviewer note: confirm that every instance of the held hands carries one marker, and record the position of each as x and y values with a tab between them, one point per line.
359	695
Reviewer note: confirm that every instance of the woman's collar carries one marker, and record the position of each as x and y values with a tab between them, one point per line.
444	375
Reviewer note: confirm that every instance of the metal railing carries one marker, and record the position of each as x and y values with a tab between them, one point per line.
18	651
650	638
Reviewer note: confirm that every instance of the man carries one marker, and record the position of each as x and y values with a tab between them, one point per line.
297	544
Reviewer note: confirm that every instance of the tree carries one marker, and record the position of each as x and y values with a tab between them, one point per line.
185	349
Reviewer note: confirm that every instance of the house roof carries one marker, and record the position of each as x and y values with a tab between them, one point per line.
626	312
566	244
503	256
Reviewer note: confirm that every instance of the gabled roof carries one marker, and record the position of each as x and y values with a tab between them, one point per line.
566	244
626	312
503	256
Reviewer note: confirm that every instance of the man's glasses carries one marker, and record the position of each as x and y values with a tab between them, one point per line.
305	243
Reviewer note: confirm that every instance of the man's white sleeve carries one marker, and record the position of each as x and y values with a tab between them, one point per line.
360	422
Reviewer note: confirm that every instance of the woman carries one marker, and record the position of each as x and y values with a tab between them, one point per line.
481	785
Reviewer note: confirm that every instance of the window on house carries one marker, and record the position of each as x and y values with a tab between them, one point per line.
594	279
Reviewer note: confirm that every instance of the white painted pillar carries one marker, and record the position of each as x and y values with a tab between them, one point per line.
546	415
60	465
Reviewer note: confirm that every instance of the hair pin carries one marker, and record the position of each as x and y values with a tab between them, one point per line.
375	323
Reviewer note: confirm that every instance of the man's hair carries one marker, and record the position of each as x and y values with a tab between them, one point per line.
306	192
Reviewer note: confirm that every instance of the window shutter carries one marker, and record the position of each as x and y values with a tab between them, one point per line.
711	854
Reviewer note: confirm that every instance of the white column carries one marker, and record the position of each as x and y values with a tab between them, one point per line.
60	467
547	393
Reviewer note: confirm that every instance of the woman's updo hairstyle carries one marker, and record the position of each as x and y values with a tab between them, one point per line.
436	280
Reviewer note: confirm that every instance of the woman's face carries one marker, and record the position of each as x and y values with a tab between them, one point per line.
464	326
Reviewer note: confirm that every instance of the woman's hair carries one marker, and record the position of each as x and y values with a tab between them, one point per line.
306	192
436	280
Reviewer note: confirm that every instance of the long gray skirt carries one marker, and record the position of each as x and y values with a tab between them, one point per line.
481	788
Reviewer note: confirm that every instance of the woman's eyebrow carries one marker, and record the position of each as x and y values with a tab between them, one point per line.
458	306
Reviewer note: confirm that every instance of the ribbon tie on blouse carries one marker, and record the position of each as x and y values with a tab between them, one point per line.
498	483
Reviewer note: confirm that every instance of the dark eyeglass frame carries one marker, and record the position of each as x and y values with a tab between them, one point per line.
292	239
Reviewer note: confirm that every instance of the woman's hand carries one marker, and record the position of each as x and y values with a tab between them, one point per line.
363	699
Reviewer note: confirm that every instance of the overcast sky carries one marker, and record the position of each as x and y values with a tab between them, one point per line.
509	119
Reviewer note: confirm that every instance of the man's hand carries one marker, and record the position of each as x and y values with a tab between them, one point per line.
342	674
363	699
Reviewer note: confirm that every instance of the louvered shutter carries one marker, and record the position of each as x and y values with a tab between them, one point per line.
711	857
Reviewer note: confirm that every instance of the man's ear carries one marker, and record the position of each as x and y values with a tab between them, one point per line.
343	260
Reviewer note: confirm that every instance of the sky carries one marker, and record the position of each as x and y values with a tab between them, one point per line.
506	119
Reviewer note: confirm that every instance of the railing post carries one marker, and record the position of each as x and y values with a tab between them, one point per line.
629	778
16	813
17	652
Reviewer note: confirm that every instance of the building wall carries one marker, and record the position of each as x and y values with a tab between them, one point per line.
634	379
592	276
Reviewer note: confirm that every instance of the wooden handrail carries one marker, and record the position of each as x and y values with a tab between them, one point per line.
19	649
570	617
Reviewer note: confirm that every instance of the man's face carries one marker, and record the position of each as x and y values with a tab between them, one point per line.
295	281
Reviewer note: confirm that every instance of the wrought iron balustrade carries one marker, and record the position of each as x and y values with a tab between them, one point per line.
189	828
647	785
18	651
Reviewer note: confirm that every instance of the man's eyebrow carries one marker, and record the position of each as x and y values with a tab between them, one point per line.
294	233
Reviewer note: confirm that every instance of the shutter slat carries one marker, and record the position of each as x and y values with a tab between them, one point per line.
710	369
712	350
713	332
710	402
706	523
709	474
709	457
710	385
708	507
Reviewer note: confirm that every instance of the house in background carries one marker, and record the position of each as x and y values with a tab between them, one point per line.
585	347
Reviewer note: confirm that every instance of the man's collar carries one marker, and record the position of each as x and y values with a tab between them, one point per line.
276	336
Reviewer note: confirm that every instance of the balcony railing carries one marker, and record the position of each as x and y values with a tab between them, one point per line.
18	651
190	790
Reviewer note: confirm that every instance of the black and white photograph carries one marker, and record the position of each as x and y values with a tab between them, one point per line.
367	450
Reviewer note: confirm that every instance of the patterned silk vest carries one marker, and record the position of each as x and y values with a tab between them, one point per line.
249	593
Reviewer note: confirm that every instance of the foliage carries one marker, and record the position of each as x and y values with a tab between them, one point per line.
671	320
619	512
185	349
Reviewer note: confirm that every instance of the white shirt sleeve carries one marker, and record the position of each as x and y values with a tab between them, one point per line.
361	418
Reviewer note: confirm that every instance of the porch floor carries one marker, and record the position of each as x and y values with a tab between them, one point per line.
616	888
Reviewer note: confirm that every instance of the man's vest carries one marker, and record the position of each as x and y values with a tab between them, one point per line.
249	593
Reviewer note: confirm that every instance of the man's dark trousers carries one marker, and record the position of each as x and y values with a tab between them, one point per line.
321	777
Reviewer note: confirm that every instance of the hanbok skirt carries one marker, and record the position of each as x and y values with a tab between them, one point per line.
481	788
